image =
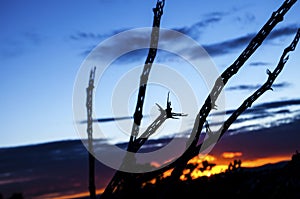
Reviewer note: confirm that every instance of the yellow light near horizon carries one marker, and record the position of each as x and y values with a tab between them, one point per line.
77	195
215	170
263	161
229	155
199	159
196	173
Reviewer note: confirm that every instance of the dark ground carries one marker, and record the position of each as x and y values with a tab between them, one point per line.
281	180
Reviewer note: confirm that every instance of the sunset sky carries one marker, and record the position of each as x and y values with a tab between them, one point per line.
44	43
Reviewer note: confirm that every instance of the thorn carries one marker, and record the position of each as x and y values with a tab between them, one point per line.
269	72
159	107
271	89
208	131
214	107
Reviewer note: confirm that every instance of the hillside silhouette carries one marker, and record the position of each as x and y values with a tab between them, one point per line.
280	180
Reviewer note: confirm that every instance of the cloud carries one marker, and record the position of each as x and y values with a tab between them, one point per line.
280	140
195	30
264	115
230	155
215	49
231	45
228	46
264	106
83	36
259	63
254	87
284	31
278	104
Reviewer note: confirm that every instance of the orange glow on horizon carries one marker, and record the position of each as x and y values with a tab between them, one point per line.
188	174
196	173
263	161
219	168
215	170
229	155
76	195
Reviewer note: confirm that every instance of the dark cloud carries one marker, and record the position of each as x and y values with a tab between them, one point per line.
215	49
80	36
284	31
257	113
278	104
254	87
266	142
263	107
195	30
41	168
229	46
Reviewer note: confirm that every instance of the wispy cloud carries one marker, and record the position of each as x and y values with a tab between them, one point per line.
193	31
284	31
259	63
84	36
279	104
231	45
260	108
197	28
245	18
263	115
228	46
215	49
254	87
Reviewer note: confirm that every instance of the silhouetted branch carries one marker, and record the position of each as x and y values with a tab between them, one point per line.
215	137
89	105
134	145
127	180
138	114
193	148
266	86
210	101
150	130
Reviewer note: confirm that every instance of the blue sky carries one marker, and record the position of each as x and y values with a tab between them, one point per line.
44	43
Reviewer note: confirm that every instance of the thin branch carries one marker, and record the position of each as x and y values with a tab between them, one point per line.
138	114
121	176
192	148
266	86
246	104
210	101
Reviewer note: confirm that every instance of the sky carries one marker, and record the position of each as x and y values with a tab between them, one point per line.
45	45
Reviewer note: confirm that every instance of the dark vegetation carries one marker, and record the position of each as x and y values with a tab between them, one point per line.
280	180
